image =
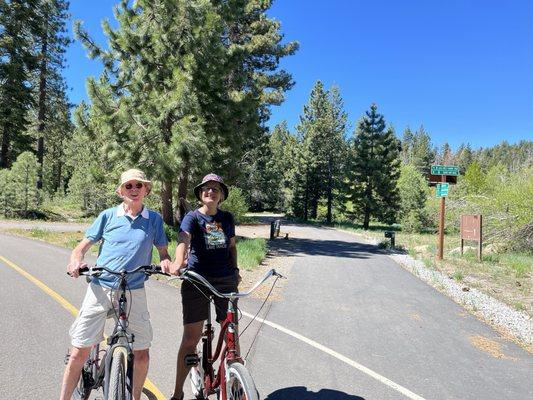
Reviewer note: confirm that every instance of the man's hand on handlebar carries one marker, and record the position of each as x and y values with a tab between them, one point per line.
74	266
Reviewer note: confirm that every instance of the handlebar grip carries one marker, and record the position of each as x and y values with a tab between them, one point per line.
80	271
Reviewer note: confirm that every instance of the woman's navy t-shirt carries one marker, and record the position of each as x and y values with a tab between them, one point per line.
210	238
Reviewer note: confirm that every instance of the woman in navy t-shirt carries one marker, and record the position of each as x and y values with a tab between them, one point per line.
207	246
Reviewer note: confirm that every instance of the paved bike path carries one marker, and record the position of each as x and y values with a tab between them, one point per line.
340	293
349	297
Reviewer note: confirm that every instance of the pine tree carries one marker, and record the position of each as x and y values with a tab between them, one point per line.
407	146
463	157
322	129
421	154
52	43
186	87
375	169
282	147
243	82
445	156
24	182
144	104
19	27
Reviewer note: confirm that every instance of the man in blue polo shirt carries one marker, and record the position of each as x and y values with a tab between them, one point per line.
127	233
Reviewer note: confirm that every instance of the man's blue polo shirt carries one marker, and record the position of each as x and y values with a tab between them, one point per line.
126	243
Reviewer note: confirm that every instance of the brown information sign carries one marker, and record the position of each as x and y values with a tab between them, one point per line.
472	229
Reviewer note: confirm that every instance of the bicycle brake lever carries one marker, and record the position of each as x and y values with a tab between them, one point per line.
276	273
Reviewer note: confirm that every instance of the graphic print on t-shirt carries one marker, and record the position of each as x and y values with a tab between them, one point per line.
214	236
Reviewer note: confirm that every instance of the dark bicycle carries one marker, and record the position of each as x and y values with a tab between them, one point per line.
112	367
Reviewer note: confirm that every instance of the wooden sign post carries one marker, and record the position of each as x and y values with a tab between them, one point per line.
472	229
441	176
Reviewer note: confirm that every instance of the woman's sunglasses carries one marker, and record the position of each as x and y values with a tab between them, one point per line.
130	186
206	189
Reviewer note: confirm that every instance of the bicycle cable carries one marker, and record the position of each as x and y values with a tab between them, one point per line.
262	321
210	299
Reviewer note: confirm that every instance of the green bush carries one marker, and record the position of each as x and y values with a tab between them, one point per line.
412	222
236	204
171	232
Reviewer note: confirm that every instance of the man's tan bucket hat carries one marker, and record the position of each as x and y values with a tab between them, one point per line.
135	175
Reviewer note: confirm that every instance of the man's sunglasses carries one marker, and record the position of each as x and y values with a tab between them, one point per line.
130	186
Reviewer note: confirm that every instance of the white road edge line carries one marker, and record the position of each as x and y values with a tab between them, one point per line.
356	365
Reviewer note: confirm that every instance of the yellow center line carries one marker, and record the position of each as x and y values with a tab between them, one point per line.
73	310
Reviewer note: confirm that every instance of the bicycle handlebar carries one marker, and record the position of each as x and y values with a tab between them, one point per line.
96	271
192	276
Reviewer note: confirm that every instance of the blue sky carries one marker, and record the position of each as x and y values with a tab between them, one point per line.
463	69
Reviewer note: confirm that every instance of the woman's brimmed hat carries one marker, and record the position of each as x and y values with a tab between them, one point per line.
211	178
134	175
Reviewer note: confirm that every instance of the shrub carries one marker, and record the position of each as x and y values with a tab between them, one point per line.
412	222
236	204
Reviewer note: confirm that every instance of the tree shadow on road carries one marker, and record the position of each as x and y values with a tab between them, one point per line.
332	248
301	393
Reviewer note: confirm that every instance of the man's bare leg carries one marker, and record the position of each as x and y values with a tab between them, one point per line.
73	371
140	370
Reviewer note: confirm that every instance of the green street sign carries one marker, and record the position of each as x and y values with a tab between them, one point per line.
444	170
442	189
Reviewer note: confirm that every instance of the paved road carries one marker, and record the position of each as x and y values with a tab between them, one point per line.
351	325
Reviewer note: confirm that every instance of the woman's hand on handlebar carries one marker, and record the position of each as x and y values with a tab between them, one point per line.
173	268
74	266
166	266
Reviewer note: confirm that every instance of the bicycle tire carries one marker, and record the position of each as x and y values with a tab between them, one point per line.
240	384
117	376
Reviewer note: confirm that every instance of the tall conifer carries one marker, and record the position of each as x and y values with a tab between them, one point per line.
375	169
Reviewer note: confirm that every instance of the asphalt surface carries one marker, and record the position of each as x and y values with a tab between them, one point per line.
355	325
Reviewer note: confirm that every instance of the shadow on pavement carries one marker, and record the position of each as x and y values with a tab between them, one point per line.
333	248
301	393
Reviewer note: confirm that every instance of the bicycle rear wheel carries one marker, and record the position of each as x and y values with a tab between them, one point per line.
240	384
117	376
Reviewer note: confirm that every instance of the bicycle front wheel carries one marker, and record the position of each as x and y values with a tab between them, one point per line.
240	384
117	376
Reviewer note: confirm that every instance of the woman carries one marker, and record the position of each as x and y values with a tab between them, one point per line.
128	233
210	234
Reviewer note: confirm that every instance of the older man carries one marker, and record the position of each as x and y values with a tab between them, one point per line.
128	233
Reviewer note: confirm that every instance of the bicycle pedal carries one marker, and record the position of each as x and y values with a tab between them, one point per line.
192	360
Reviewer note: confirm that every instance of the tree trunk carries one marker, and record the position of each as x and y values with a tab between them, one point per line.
306	197
42	107
368	201
330	193
4	152
166	203
182	190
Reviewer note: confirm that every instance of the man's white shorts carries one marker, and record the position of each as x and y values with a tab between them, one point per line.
88	328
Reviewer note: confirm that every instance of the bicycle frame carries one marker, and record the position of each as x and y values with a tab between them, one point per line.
99	372
228	338
227	344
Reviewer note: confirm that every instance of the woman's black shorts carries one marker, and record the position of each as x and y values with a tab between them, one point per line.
195	303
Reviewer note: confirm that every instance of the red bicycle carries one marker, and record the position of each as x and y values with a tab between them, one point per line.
231	381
